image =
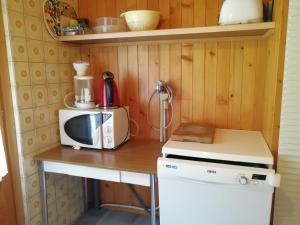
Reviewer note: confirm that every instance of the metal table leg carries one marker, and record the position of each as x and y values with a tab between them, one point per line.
152	187
44	193
85	198
97	201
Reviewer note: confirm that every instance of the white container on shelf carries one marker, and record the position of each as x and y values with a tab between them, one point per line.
109	29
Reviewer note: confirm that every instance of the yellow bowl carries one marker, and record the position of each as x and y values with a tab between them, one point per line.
138	20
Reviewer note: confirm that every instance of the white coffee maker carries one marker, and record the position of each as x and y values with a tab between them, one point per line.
83	87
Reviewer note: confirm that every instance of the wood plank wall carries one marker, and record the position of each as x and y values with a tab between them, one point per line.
215	81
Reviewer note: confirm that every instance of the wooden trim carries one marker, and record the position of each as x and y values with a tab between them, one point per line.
9	127
240	30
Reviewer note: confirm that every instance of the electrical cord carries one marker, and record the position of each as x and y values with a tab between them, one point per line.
65	101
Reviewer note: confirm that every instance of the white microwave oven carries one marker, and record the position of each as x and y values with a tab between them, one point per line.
94	128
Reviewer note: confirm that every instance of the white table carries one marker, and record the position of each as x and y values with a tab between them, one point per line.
132	163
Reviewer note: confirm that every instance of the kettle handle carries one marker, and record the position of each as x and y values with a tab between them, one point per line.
109	88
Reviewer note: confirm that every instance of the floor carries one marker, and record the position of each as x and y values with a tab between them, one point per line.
110	217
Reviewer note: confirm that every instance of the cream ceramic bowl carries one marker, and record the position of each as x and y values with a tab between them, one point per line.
139	20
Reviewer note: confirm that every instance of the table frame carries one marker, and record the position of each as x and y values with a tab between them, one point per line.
44	186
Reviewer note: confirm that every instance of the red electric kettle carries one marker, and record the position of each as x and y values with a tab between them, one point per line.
108	93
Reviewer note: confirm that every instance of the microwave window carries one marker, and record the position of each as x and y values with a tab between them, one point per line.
84	128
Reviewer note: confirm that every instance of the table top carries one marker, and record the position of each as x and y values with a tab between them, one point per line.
138	156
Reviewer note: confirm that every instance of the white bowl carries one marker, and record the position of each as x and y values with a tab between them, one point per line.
139	20
81	68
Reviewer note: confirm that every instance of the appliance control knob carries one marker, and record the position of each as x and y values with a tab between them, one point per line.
243	180
108	129
108	139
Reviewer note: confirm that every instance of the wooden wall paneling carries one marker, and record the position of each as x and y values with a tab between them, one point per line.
123	75
274	75
259	91
131	4
133	83
120	7
187	83
142	4
198	82
175	13
153	4
101	8
211	12
164	69
113	63
164	8
143	66
175	81
235	85
92	11
83	9
223	77
94	68
154	76
110	8
248	85
187	8
199	13
211	51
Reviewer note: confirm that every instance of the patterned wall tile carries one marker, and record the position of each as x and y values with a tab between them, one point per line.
34	205
32	7
26	119
37	73
33	27
50	179
52	213
16	5
74	194
65	72
35	51
46	36
54	133
61	187
21	73
33	185
39	96
62	204
30	164
19	49
64	54
16	24
53	111
41	117
54	93
37	220
51	53
52	73
75	212
74	54
43	137
51	197
29	142
24	97
63	219
66	88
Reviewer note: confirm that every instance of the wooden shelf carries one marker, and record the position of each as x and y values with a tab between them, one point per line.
228	31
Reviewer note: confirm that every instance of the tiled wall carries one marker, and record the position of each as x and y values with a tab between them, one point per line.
41	74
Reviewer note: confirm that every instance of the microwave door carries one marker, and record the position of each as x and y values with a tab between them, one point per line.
84	128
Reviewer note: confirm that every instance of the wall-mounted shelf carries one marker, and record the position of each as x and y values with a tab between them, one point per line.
228	31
